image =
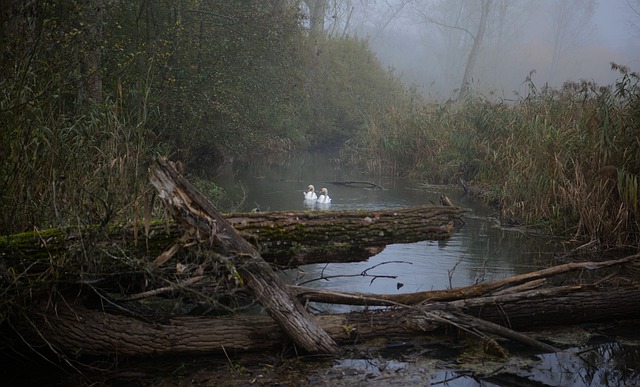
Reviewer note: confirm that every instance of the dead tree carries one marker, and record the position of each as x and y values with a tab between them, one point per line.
201	219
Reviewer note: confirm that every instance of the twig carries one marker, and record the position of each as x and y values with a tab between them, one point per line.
164	289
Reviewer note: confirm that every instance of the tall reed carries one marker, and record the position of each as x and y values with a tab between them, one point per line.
566	159
62	170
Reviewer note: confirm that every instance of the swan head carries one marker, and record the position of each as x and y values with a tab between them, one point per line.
310	188
324	191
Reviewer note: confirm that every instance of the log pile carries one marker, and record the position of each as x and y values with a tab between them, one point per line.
98	315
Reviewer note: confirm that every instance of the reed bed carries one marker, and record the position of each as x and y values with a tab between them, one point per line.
566	159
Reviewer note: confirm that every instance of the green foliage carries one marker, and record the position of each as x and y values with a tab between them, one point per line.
63	160
222	75
200	81
346	84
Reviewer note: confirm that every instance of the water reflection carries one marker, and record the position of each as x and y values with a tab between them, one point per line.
478	251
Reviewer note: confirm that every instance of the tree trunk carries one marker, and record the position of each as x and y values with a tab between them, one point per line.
195	212
76	330
294	238
475	50
92	88
316	16
288	238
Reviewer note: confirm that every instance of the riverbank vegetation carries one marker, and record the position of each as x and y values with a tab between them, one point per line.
565	159
90	93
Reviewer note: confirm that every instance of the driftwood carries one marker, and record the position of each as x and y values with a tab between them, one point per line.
199	217
357	184
479	291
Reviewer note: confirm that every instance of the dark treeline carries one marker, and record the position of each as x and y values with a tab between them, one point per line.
91	90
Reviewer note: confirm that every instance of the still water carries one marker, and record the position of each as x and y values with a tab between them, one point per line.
478	251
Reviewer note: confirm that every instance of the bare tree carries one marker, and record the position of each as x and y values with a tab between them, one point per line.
389	11
475	49
317	12
93	14
570	23
634	15
334	17
461	22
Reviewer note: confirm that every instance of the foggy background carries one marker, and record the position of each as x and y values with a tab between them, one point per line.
427	42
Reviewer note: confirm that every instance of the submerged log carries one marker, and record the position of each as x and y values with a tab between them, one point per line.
481	291
357	184
200	218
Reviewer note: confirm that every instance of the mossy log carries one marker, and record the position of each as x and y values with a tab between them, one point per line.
286	238
293	238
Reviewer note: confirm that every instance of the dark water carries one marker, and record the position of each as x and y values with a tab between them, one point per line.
480	250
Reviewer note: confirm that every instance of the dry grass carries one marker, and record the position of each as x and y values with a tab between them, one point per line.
564	159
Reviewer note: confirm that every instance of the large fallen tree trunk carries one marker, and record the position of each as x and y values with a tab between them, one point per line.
287	238
81	331
294	238
203	221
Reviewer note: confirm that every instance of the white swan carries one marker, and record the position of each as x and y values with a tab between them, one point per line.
324	196
310	194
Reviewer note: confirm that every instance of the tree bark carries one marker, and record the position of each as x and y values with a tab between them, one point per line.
287	238
92	88
195	212
74	329
294	238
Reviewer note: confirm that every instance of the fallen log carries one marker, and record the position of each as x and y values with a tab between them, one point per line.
286	238
294	238
357	184
201	219
74	329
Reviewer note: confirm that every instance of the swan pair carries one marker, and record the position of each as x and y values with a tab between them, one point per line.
310	194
